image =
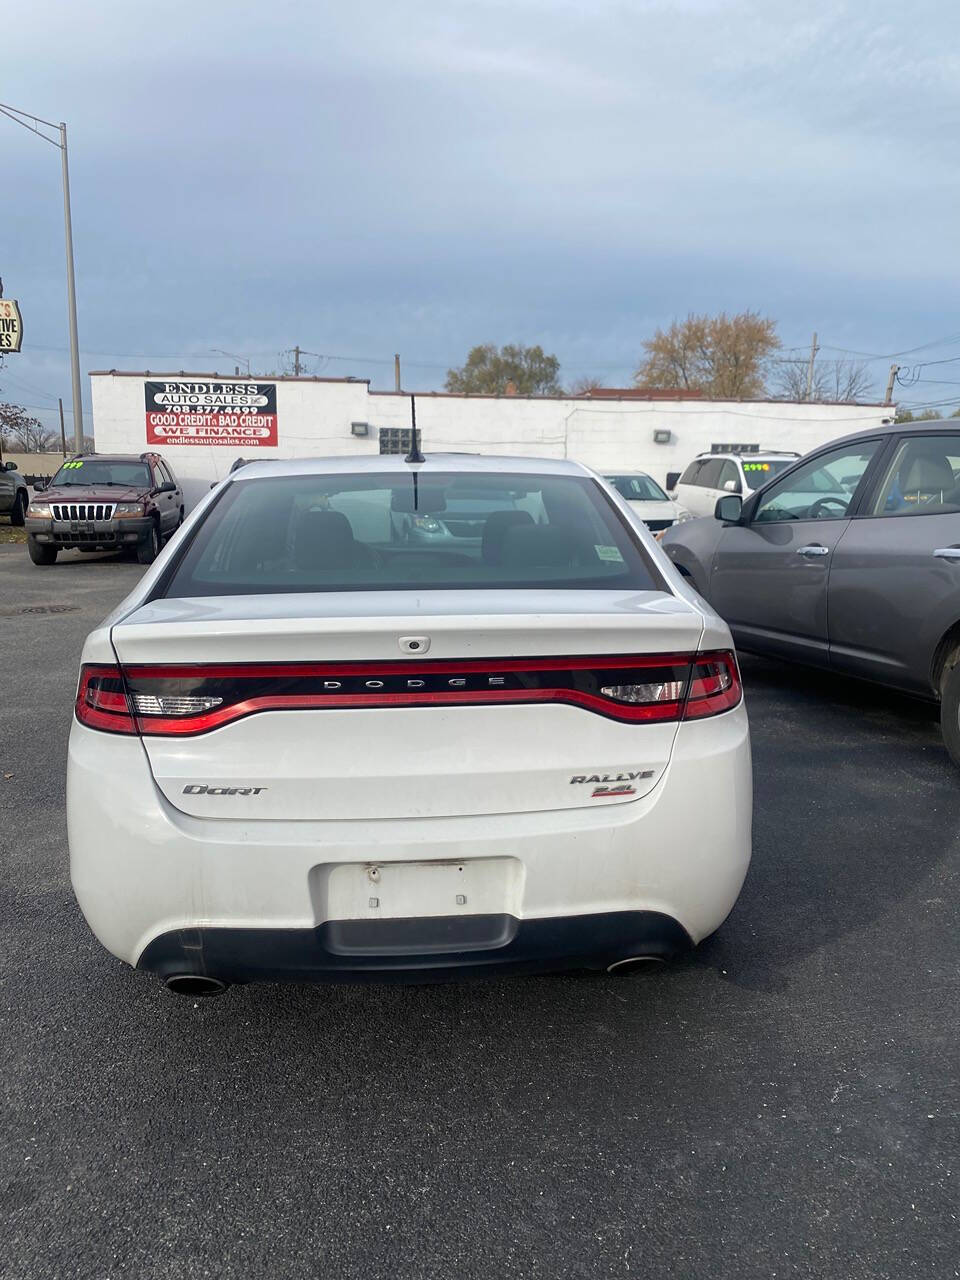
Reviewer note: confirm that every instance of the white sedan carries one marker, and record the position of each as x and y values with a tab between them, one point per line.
303	749
657	511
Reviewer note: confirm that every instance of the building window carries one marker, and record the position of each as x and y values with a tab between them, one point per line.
394	439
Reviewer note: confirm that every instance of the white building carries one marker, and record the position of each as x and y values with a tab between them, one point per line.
202	422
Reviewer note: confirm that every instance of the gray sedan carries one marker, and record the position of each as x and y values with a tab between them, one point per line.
849	561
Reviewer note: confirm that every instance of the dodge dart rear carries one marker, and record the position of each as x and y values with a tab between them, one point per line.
312	744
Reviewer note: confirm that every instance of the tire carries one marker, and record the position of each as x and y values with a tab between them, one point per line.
149	548
39	552
19	513
950	708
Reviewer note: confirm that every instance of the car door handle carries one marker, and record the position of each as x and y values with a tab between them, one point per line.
813	550
947	553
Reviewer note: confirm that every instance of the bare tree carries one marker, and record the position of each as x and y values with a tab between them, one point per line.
19	431
722	356
850	380
583	386
834	381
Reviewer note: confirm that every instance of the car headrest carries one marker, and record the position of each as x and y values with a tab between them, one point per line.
926	473
262	536
534	546
323	540
495	530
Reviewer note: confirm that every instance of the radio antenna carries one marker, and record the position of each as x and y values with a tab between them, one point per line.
414	455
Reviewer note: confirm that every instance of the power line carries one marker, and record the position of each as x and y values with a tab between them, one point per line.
891	355
16	382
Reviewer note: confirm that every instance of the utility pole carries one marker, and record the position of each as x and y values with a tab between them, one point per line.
33	123
296	362
813	356
63	432
396	372
894	370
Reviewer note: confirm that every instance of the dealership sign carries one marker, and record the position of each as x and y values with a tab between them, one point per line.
11	325
232	414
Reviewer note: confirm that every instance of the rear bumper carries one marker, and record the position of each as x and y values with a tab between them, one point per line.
90	534
424	949
240	899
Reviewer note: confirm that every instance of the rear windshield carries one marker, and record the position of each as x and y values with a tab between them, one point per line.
638	488
411	532
757	472
99	471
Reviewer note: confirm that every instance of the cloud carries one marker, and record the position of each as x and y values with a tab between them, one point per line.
363	179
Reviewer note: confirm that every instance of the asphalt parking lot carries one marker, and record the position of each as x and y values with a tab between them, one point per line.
782	1103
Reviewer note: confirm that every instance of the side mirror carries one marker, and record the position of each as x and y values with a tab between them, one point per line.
39	484
728	508
167	487
9	466
731	486
672	478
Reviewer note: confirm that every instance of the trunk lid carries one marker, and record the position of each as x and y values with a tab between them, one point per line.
470	739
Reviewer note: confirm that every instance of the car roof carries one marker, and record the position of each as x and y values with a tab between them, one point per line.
746	456
393	464
112	457
928	426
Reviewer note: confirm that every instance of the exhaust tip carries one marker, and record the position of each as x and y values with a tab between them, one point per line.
632	964
194	984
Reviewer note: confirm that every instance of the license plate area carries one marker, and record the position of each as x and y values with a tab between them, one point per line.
416	890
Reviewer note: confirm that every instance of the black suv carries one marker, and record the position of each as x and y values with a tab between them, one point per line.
105	502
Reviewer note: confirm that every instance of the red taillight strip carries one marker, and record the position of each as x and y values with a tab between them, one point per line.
630	713
107	709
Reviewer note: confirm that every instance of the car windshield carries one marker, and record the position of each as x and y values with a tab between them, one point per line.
397	531
90	471
758	471
638	488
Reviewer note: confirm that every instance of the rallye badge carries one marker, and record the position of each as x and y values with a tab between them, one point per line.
606	785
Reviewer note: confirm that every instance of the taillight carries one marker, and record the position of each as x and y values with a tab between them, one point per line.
102	700
714	686
184	700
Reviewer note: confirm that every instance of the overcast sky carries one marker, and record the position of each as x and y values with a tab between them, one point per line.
418	177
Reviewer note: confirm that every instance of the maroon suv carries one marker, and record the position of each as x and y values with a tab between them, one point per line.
105	502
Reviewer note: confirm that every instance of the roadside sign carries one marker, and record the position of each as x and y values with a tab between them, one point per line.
11	326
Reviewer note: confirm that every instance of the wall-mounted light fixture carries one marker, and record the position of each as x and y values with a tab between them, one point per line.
662	435
359	428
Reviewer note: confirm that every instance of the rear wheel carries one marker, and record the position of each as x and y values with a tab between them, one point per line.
149	548
950	707
39	552
19	512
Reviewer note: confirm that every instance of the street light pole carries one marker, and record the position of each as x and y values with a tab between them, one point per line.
72	299
33	123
